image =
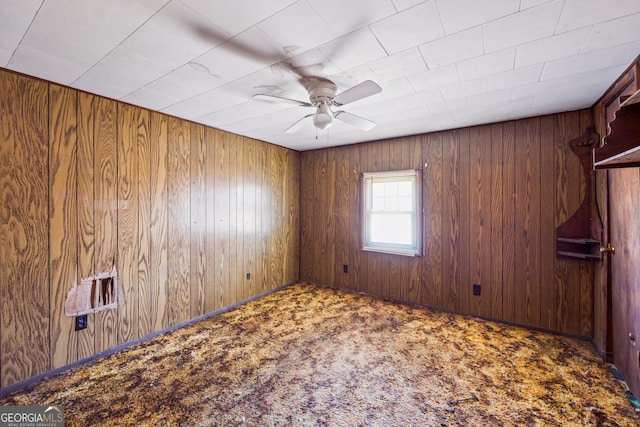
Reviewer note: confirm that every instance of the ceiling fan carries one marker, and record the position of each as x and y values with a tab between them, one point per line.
321	90
323	97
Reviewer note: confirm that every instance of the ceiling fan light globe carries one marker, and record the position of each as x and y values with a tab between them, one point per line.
322	120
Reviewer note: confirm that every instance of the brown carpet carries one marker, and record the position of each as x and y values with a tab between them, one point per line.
312	356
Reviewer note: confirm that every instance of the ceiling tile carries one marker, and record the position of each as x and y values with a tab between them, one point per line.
240	112
601	76
392	92
456	47
572	96
489	99
233	16
354	49
392	99
522	27
526	4
403	63
151	97
347	16
109	81
313	63
440	122
270	81
409	118
183	83
515	108
449	106
459	15
484	115
278	5
433	79
401	111
15	18
464	89
67	37
487	64
615	32
550	48
575	64
479	116
163	44
385	69
581	13
401	5
519	76
411	27
623	54
374	111
244	54
532	89
278	120
416	100
208	102
298	28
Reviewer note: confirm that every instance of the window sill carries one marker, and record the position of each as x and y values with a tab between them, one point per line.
391	251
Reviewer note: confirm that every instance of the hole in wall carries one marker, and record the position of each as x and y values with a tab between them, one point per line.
93	294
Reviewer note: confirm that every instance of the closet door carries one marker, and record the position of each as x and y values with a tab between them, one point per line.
624	234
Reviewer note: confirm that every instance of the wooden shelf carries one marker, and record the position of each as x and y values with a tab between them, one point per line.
579	255
575	237
586	248
617	115
626	159
585	241
622	145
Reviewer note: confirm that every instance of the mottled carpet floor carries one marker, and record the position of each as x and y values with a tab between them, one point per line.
313	356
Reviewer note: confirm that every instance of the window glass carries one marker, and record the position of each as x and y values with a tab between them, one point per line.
391	216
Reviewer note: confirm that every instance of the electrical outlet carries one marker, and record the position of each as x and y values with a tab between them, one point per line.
477	289
81	322
248	275
345	268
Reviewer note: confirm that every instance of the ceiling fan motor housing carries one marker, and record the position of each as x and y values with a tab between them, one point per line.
320	90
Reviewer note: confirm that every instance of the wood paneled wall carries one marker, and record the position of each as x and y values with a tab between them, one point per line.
493	196
183	211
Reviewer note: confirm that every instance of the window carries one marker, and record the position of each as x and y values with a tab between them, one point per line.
392	209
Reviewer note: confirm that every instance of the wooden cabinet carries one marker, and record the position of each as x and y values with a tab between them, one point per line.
618	121
616	313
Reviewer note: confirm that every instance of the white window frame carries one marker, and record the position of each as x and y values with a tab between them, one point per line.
367	179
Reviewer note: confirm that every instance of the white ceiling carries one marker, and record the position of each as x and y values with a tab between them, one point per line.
442	64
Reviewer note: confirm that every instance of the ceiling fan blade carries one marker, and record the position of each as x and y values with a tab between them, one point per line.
273	98
359	91
297	125
231	43
353	120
